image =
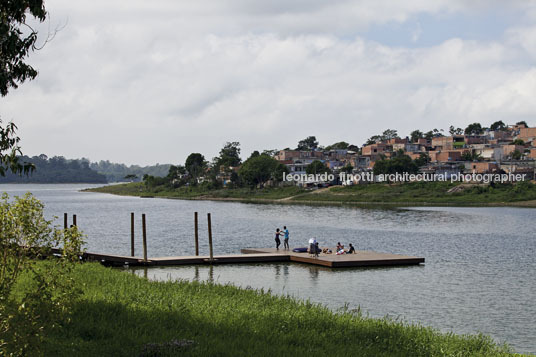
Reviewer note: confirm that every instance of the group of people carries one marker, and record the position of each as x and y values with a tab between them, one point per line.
278	233
340	249
313	244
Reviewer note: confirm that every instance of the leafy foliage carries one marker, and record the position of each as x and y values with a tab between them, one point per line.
474	129
56	170
115	172
307	144
15	45
258	170
10	151
24	236
398	164
229	155
195	164
317	167
498	125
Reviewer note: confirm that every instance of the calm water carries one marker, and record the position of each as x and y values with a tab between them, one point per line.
478	276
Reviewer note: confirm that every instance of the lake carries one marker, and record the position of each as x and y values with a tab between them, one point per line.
479	274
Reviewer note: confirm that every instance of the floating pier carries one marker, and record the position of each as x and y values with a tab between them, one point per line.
362	258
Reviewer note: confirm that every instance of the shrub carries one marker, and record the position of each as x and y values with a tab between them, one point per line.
25	236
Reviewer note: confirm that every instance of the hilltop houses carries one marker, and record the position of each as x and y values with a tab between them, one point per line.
511	149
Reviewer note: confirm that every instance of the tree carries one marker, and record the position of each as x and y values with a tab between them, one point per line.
498	125
255	154
516	155
308	144
258	170
195	163
518	142
229	155
131	177
271	152
522	123
415	135
473	129
399	164
422	160
455	131
471	156
389	134
15	45
373	140
341	145
317	167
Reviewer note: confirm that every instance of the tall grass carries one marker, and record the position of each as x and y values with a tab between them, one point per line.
120	314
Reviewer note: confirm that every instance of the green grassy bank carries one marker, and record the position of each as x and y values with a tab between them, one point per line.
120	314
437	193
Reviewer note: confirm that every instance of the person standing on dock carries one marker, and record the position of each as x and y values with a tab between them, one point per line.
277	239
285	231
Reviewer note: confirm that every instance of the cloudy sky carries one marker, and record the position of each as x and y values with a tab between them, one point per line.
142	82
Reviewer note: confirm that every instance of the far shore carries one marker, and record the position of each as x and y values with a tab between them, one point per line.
379	195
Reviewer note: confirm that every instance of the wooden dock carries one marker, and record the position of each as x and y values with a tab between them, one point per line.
362	258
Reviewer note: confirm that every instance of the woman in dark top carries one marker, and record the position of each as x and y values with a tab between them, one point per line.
351	250
277	240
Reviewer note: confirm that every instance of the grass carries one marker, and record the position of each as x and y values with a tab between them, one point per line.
120	314
407	193
139	189
426	192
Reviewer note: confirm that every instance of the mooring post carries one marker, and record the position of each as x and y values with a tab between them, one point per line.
74	220
144	237
196	230
132	234
210	237
65	219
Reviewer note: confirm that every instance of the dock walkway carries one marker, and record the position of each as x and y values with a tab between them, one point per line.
362	258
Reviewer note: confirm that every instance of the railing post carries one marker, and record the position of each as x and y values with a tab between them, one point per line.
144	237
196	230
74	220
132	234
210	237
65	221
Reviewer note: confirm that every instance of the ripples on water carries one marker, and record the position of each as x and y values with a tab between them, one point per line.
478	276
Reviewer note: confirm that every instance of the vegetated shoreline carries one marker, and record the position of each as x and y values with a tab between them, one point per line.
373	195
122	314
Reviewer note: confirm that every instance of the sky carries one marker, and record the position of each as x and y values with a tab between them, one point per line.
146	82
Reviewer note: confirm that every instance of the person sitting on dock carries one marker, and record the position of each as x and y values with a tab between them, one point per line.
277	240
285	231
351	250
339	247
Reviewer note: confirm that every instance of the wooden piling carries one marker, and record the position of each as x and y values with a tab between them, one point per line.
74	220
196	230
144	237
210	237
132	234
65	219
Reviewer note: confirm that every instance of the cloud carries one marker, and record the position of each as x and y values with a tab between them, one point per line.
148	83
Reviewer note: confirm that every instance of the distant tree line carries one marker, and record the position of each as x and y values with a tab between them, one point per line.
56	169
120	172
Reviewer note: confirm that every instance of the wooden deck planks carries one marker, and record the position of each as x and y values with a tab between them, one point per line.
266	255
